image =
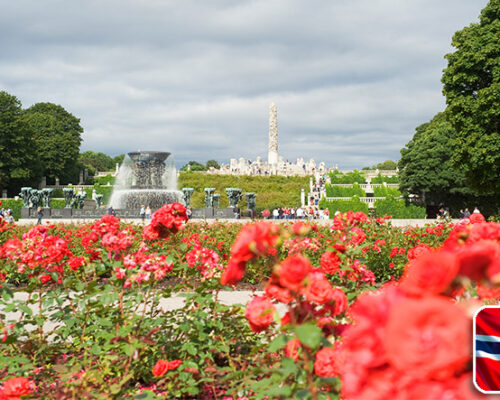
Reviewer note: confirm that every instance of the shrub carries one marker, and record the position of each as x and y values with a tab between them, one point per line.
14	205
385	191
398	209
340	191
354	204
387	179
349	177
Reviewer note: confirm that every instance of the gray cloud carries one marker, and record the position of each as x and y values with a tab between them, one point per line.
352	79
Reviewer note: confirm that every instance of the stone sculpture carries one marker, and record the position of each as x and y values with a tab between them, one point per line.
47	196
188	192
234	195
209	197
272	157
35	198
98	200
251	200
216	198
25	195
79	200
69	193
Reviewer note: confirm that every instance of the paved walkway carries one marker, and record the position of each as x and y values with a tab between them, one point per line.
167	304
394	222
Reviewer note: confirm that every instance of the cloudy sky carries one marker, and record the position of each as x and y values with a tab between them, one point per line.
351	78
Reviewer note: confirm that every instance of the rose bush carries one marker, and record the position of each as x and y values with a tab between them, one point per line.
357	309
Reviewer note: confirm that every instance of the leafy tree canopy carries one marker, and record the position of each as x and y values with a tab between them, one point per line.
96	161
57	137
193	166
386	165
472	89
212	163
119	159
425	167
19	163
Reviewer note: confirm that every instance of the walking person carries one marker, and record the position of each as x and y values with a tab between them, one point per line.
148	212
39	213
142	213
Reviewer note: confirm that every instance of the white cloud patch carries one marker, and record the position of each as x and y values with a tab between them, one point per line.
351	79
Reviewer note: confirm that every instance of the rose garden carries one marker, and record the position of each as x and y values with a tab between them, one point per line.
354	310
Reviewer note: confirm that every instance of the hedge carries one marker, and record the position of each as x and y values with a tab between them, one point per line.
340	191
385	191
399	209
348	177
354	204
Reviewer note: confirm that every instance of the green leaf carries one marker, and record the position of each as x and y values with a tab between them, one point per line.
309	335
277	344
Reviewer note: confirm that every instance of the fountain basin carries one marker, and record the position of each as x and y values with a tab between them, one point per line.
133	199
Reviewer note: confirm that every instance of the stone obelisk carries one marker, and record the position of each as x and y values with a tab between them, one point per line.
272	156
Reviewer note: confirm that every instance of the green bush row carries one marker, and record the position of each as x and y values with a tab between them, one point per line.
340	191
354	204
348	177
399	209
384	191
387	179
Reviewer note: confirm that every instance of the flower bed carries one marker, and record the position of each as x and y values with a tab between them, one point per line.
345	310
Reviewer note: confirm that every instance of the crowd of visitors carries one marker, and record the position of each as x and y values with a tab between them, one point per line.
6	215
300	213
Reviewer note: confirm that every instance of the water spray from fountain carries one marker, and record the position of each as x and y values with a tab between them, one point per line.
146	178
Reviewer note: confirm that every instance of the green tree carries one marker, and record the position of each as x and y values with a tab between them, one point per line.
19	163
193	166
119	159
212	163
57	137
425	167
472	89
386	165
96	161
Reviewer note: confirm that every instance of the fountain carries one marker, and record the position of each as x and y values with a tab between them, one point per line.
146	178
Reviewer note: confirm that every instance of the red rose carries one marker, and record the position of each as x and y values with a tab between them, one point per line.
476	218
330	262
318	289
278	293
418	251
431	273
160	368
260	313
174	364
475	260
233	273
293	270
428	337
325	364
340	299
254	240
14	388
76	262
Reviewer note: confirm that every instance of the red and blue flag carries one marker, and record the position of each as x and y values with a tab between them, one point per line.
487	349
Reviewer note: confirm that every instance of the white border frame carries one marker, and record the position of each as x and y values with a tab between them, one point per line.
474	351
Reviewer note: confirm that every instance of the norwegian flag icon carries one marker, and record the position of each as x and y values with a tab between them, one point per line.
487	349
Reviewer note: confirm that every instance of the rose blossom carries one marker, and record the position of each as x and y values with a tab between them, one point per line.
14	388
431	273
293	270
330	262
325	363
260	313
318	289
428	337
